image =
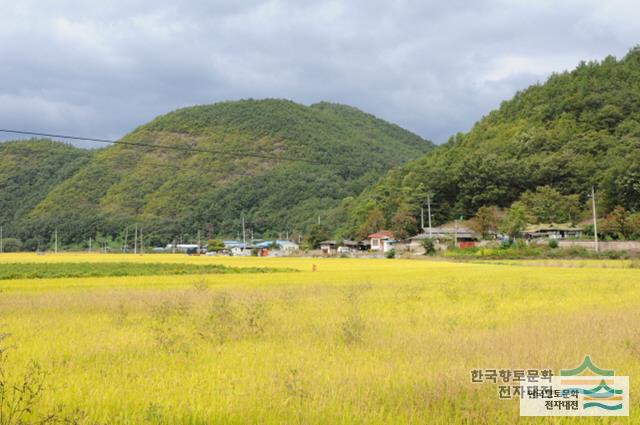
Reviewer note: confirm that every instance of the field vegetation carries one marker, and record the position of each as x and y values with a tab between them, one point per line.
87	269
341	341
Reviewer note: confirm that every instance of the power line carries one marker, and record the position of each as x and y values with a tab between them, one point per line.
175	148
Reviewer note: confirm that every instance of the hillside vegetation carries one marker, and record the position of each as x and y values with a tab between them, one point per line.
28	171
227	163
580	128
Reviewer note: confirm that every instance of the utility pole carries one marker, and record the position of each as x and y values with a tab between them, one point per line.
89	243
429	213
198	242
422	218
1	240
56	241
135	240
141	242
455	230
595	218
125	247
244	234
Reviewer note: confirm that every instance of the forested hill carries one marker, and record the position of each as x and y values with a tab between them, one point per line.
227	162
28	171
578	129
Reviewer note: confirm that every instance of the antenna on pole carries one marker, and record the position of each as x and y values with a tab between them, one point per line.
595	219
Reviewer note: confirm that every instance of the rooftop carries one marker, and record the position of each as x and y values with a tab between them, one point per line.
381	235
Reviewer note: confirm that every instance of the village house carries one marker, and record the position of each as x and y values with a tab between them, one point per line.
553	231
288	246
348	246
383	240
443	236
328	247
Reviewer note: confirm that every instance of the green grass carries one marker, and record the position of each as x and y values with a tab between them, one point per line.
72	270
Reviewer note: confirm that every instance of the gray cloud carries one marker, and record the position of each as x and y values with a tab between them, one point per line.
102	68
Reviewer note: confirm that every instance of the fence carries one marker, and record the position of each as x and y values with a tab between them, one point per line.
631	246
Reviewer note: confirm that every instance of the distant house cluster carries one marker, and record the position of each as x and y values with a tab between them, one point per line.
382	241
454	234
259	247
345	246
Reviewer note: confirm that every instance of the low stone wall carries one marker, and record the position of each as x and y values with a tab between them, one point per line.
631	246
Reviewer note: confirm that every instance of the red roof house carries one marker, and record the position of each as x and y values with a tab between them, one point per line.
382	240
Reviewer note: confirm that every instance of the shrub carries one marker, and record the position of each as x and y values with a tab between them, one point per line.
553	243
429	246
391	254
11	245
615	255
505	244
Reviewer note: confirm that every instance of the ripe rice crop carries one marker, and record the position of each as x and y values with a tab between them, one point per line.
366	341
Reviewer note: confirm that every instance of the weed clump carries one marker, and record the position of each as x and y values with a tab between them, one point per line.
353	327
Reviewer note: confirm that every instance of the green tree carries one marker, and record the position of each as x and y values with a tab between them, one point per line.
618	224
403	223
317	234
547	205
215	245
486	221
11	245
514	221
374	222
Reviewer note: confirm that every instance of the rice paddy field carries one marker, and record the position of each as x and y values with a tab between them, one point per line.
315	341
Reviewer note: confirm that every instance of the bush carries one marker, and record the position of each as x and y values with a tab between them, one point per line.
11	245
615	255
215	245
429	246
553	243
391	254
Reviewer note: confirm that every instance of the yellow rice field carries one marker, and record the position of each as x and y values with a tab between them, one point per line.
362	341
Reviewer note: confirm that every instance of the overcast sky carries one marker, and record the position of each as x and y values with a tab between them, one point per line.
101	68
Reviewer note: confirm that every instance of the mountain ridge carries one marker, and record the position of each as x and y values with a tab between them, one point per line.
210	178
580	128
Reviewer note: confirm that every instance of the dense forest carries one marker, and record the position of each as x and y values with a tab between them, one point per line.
282	165
577	130
28	171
